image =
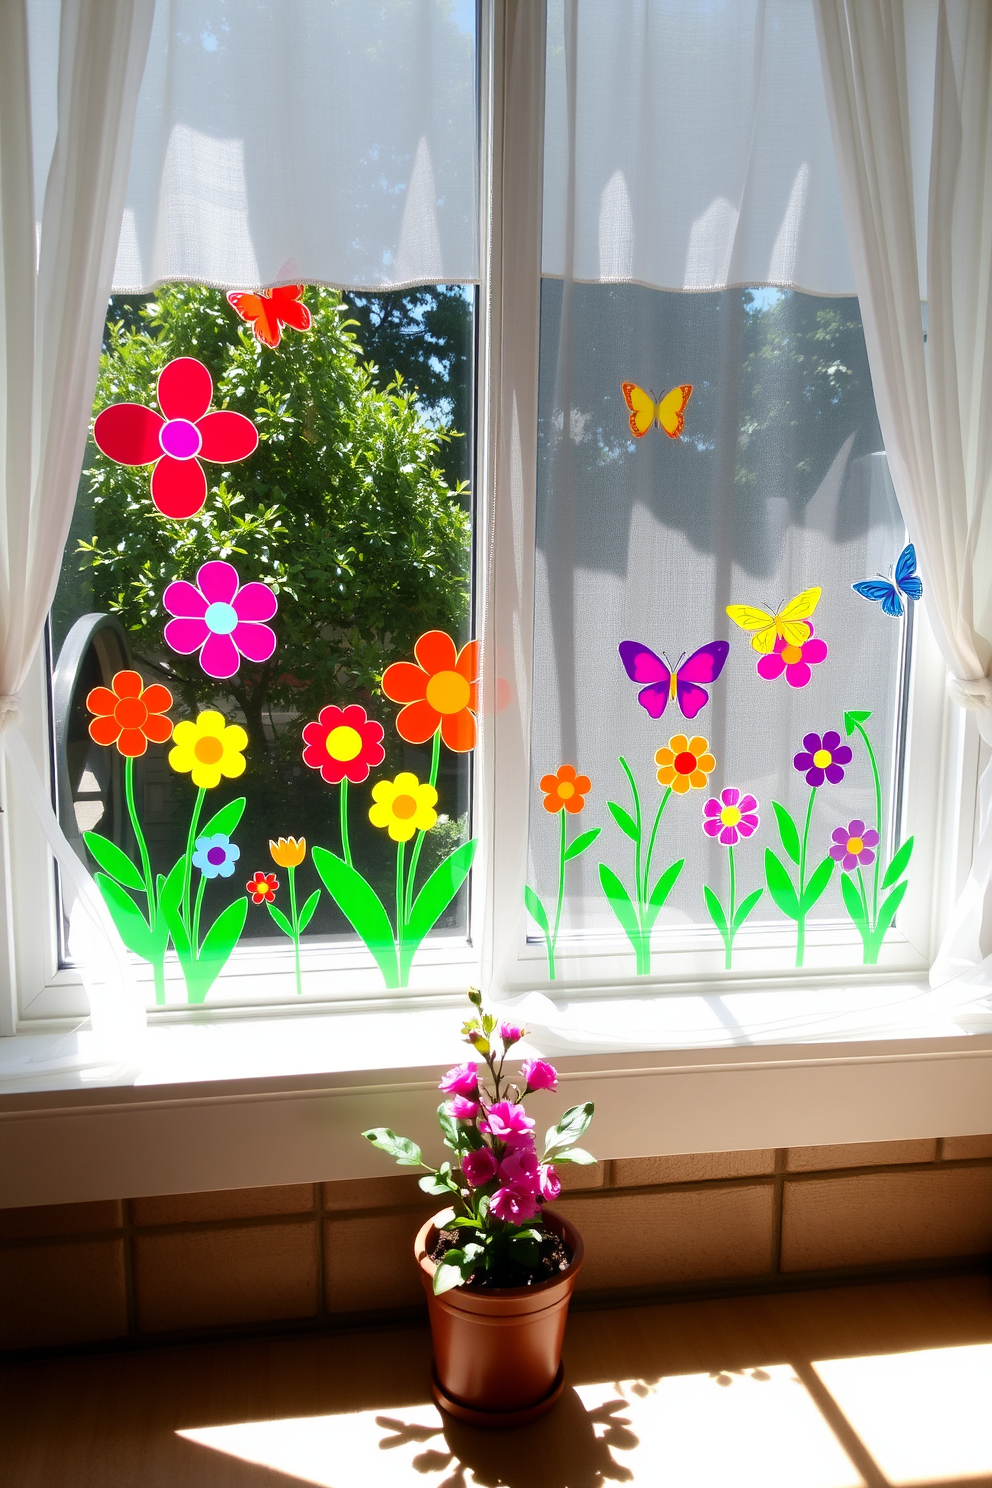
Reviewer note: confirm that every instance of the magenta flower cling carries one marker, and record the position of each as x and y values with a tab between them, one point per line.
498	1178
731	819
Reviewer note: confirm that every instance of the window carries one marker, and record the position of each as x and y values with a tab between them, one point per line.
499	491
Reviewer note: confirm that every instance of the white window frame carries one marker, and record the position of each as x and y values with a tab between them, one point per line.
942	763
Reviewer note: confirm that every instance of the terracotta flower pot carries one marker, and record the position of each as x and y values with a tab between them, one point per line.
497	1354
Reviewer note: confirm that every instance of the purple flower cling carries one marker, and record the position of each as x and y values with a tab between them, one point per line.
854	845
823	758
499	1180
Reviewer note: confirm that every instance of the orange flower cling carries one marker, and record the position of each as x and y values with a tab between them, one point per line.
440	690
129	714
565	789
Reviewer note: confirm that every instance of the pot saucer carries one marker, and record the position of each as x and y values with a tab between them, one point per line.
495	1420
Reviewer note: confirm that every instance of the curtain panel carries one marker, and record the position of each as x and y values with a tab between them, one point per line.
932	378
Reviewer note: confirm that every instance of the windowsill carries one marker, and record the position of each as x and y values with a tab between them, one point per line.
283	1099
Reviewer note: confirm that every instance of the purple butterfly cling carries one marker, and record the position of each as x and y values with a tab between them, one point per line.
665	682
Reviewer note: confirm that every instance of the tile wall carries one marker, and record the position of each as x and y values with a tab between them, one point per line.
310	1254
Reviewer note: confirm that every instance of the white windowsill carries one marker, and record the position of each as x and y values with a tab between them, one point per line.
283	1099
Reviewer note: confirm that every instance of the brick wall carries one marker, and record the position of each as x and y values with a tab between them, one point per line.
310	1254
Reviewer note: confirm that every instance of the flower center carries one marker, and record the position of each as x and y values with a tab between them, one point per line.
685	762
566	790
216	855
855	846
180	439
221	618
822	758
792	654
131	713
730	816
404	807
209	750
448	692
344	743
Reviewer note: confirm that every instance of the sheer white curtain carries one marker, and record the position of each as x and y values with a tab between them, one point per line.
56	261
330	143
934	393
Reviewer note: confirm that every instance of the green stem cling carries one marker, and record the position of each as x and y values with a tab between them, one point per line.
190	842
343	811
415	856
158	964
801	924
294	920
729	947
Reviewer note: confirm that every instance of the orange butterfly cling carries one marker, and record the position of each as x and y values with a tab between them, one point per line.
269	311
668	413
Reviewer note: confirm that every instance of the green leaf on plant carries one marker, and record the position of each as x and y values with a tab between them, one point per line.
853	902
818	881
888	908
537	909
113	861
433	899
899	864
524	1247
132	927
780	885
623	819
455	1269
450	1130
225	821
620	903
280	919
363	908
851	720
570	1127
405	1152
577	1155
436	1185
716	910
660	893
306	913
745	907
788	831
578	847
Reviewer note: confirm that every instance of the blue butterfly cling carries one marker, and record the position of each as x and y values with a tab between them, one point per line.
887	590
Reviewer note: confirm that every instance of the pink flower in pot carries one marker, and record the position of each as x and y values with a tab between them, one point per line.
513	1205
462	1080
507	1122
539	1075
460	1108
479	1167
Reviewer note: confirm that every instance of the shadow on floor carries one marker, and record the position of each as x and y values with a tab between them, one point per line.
879	1385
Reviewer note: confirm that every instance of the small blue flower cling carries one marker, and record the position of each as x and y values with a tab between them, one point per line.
216	856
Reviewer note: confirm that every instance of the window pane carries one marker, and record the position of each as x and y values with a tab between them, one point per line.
777	485
353	512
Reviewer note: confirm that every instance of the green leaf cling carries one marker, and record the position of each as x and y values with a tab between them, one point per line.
434	898
780	885
218	943
537	909
661	891
278	918
899	864
364	910
852	902
817	883
225	820
889	906
716	910
113	861
577	848
132	927
620	903
306	913
745	907
623	820
788	831
852	719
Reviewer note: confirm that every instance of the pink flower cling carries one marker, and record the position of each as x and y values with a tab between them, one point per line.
497	1181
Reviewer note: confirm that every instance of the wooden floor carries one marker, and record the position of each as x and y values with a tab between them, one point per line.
879	1385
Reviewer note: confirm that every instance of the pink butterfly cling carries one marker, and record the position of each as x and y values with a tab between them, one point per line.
665	682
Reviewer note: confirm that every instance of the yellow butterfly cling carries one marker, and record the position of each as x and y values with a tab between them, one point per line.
789	623
644	411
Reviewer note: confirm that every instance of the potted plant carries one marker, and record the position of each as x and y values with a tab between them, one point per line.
497	1265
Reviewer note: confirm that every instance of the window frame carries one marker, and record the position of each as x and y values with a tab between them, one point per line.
942	758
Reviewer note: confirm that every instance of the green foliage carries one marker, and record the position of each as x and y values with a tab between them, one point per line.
342	509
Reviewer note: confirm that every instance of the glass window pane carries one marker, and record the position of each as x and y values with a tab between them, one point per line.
777	485
352	516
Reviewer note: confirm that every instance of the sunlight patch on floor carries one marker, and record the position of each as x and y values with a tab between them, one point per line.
923	1415
757	1428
